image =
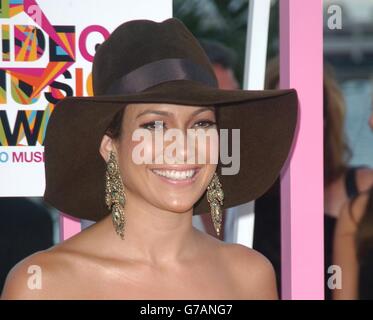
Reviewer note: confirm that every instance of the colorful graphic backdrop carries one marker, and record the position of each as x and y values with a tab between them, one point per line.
46	51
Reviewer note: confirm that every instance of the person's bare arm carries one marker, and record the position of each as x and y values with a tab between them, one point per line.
254	274
345	253
265	279
364	179
31	279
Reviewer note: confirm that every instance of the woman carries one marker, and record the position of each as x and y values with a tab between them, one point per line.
336	150
155	76
341	182
353	246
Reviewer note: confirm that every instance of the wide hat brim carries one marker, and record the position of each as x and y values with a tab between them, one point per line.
75	170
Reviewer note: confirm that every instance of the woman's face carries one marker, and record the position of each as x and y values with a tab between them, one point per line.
173	187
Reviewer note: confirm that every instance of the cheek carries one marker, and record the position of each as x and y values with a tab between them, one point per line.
139	149
213	150
206	148
131	165
210	170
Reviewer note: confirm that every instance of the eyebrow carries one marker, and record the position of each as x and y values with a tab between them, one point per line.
165	113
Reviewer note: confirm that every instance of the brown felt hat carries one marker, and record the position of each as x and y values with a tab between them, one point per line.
145	61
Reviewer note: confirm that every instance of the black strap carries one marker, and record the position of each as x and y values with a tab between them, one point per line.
351	182
160	71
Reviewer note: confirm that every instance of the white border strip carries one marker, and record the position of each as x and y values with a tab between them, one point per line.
241	219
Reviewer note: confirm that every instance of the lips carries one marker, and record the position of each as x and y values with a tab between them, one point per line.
176	176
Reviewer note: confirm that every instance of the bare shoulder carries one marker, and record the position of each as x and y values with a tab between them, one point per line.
351	214
253	272
35	277
365	178
47	274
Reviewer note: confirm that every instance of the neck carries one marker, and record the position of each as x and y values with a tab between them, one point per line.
151	234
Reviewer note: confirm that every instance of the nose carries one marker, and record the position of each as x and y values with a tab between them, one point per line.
192	147
175	146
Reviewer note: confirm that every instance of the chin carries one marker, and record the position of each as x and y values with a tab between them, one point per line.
178	206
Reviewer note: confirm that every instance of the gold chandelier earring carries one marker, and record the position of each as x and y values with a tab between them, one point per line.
115	197
215	197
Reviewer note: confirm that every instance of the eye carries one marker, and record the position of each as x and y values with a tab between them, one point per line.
153	125
204	124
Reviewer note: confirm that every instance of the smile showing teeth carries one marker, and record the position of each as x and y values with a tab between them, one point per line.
175	175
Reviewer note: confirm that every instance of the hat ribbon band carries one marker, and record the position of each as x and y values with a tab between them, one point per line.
158	72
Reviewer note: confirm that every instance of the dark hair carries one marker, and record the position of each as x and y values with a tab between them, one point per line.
114	130
337	153
219	54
